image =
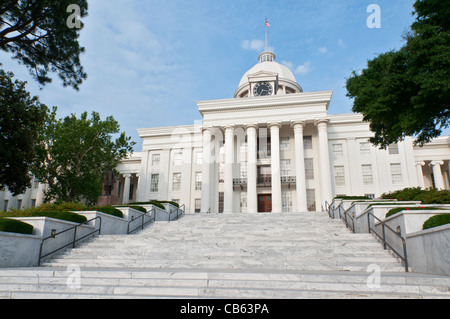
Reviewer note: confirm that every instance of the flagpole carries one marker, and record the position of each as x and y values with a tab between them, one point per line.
266	33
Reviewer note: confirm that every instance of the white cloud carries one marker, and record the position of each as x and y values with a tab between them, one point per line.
323	50
257	45
301	69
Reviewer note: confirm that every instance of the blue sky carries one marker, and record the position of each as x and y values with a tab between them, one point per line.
148	62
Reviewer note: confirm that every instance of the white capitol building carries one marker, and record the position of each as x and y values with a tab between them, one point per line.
270	148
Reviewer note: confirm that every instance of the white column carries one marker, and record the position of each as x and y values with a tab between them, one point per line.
300	166
324	157
126	189
419	172
275	164
228	170
437	173
252	197
206	172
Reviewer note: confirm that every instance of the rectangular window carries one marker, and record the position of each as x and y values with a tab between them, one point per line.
286	201
367	175
311	200
155	160
338	151
198	181
154	182
198	205
339	176
285	167
5	205
19	204
33	203
393	149
309	168
364	149
176	182
36	184
284	143
396	174
177	158
199	158
307	142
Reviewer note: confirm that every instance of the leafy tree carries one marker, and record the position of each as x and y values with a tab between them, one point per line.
37	34
21	117
407	92
74	154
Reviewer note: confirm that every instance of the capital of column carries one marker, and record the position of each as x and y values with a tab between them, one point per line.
228	127
420	164
274	124
250	126
298	125
322	124
434	163
126	175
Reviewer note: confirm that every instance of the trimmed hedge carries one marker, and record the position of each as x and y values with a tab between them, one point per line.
15	226
437	220
139	208
426	196
153	202
351	197
110	210
67	216
399	209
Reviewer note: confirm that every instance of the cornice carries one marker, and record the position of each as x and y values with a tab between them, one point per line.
265	102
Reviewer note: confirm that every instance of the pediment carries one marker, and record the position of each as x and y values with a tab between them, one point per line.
262	75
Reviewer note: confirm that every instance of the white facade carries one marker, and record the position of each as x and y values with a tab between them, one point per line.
271	148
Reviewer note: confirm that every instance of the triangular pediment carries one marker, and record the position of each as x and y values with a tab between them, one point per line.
262	74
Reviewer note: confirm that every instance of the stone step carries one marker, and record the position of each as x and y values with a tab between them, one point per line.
219	284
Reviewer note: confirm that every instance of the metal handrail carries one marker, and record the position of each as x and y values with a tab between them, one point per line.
404	258
143	221
75	240
352	225
177	211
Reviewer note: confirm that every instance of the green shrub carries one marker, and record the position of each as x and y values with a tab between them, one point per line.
351	197
399	209
427	196
407	194
153	202
139	208
169	202
61	207
437	220
15	226
110	210
67	216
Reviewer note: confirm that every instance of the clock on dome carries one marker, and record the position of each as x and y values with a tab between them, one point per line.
262	89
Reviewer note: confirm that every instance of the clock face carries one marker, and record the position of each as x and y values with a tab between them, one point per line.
262	89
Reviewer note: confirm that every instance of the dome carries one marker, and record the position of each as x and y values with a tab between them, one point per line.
270	66
267	66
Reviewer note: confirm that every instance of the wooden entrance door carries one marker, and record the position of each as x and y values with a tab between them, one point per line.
265	203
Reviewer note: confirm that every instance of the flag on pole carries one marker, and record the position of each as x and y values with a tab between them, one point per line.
267	23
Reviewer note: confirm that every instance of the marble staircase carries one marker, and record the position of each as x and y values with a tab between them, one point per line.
228	256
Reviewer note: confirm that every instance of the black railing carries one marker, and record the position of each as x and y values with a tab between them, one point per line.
350	224
177	211
73	242
386	244
143	222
